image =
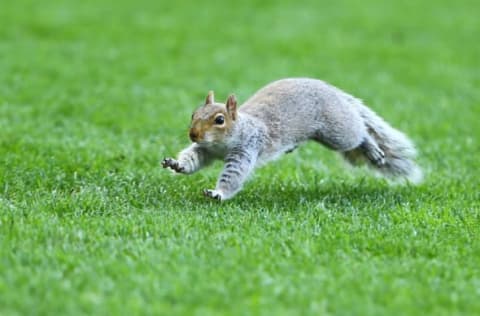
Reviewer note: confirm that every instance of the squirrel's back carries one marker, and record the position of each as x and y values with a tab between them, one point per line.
296	109
294	95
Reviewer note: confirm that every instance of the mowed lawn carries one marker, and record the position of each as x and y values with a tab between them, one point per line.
94	94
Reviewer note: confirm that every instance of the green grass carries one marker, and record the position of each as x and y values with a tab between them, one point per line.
93	94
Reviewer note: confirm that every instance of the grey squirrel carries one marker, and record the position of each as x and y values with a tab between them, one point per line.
279	117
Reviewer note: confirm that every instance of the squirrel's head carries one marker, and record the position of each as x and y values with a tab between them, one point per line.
212	122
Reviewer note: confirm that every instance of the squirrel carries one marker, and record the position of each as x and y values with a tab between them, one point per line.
281	116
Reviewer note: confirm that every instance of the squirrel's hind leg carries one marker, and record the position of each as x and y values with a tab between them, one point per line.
367	151
353	143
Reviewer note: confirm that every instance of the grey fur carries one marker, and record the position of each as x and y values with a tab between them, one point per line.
287	112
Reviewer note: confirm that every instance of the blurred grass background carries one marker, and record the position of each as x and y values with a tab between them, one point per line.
93	94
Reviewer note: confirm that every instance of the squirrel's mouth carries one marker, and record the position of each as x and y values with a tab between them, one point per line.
202	143
206	143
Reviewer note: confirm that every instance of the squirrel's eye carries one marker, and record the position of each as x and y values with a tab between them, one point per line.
219	120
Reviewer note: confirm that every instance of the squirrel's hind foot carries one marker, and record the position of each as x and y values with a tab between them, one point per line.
373	152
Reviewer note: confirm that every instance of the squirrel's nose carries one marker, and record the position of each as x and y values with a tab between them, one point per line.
193	136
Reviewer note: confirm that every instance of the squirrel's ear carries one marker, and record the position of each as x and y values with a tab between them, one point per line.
232	106
209	99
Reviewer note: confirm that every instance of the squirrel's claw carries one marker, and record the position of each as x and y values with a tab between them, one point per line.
172	164
376	156
166	162
214	194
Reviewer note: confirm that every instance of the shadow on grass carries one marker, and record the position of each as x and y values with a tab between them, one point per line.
333	195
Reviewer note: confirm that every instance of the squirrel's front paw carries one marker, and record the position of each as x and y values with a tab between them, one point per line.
173	165
214	194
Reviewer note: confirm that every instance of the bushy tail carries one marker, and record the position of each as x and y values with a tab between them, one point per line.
398	149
